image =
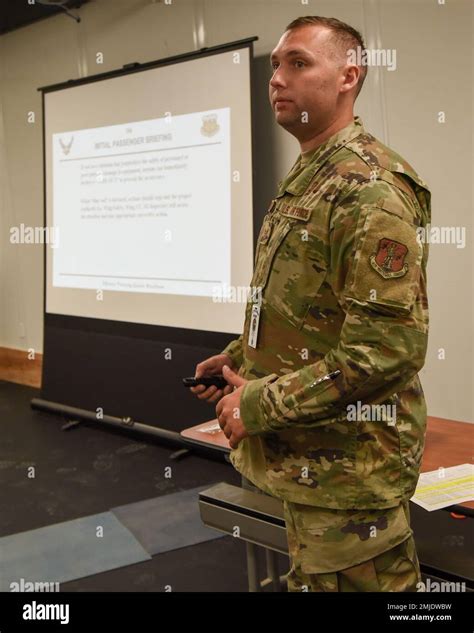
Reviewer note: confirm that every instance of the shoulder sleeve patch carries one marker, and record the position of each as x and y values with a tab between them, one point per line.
387	260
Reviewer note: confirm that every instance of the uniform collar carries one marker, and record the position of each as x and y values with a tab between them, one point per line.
321	154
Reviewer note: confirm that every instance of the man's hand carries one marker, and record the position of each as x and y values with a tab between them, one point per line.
228	409
210	367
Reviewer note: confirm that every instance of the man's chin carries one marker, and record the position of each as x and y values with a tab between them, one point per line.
287	121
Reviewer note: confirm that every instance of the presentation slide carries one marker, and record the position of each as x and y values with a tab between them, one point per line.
149	195
138	195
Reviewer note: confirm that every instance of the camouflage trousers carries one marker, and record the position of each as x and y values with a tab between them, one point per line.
350	550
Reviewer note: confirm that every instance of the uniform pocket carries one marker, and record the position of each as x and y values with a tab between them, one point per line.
294	271
333	540
398	569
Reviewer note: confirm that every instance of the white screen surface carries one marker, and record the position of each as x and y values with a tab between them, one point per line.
149	195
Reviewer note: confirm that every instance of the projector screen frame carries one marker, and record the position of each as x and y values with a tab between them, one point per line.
182	338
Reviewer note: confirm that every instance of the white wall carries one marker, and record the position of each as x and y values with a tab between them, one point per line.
433	43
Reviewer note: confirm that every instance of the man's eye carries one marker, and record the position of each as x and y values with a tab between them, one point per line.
299	63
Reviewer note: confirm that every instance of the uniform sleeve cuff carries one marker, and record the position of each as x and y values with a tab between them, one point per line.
251	412
234	352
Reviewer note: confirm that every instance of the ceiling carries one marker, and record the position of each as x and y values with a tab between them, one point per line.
17	13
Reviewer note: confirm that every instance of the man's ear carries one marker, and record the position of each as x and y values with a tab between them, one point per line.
351	74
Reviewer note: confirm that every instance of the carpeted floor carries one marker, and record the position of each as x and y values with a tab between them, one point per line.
89	470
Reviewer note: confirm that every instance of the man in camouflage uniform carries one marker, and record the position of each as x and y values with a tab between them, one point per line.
342	324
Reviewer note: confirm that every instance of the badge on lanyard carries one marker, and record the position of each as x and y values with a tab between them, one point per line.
253	331
256	296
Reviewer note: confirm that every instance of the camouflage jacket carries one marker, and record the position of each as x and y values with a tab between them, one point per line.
334	408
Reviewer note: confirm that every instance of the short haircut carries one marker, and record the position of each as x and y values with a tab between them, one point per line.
345	37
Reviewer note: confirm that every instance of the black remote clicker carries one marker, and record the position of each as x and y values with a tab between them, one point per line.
218	381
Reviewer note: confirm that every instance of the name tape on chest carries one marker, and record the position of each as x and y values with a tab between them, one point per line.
290	211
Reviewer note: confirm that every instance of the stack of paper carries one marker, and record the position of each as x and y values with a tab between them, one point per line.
445	487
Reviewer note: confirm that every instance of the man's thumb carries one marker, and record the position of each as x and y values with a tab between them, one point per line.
231	377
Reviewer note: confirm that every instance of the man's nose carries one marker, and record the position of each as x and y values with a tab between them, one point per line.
277	79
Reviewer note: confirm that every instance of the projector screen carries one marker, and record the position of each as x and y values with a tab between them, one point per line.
148	178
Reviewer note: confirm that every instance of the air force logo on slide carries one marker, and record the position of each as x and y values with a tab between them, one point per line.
66	147
209	125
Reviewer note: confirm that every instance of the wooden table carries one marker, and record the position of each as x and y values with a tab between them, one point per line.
448	443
